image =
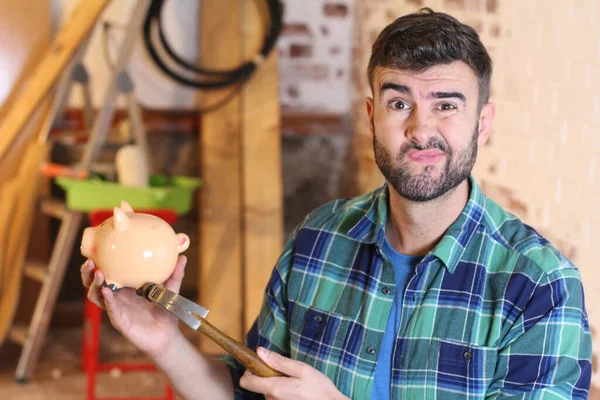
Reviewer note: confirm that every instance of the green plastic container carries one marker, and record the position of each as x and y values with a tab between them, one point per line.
89	195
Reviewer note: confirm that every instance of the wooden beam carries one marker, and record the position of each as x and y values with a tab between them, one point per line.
261	165
25	35
220	275
19	197
313	123
49	69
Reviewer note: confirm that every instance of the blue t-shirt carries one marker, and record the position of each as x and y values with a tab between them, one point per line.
404	267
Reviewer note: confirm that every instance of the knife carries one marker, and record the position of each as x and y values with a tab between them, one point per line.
193	315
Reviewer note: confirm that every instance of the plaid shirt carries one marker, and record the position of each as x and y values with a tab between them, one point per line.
492	311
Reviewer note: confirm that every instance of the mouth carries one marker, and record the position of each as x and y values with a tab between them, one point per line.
427	157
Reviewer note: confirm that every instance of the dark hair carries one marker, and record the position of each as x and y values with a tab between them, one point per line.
421	40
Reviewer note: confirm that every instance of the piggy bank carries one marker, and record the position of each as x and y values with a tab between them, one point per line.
132	249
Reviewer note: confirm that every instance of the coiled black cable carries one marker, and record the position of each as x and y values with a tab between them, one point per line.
218	78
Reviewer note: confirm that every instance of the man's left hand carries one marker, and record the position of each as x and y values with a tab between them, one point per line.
302	380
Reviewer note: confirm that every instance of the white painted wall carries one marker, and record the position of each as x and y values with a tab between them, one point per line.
330	94
153	88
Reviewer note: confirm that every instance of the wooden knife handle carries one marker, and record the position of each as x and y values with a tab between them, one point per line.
240	352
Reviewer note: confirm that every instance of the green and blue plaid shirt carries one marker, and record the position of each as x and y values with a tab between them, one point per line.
493	311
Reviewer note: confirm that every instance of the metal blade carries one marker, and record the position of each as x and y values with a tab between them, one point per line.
176	304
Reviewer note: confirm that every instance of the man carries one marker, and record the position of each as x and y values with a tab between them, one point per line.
423	288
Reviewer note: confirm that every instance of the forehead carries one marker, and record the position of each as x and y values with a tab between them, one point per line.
456	76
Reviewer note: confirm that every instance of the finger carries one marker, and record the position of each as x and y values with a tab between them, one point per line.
256	384
173	283
94	293
87	277
289	367
115	312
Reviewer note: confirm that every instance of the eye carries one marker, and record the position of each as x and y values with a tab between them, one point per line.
447	107
398	105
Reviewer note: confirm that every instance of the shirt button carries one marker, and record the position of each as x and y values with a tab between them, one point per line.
467	355
386	290
371	350
318	318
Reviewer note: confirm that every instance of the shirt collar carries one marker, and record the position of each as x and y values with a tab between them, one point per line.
370	228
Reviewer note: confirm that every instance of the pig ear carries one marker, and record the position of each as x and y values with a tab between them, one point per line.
121	221
126	207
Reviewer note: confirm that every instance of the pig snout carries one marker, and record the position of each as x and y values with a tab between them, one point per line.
183	242
87	242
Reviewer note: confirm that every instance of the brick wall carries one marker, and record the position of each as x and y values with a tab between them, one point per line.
542	159
315	93
314	50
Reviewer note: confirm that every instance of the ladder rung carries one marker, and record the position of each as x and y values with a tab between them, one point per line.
54	208
36	271
18	333
103	167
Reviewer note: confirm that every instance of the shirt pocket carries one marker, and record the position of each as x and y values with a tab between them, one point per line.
465	368
453	369
318	337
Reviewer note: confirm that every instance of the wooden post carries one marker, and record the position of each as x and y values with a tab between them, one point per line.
220	246
241	212
261	162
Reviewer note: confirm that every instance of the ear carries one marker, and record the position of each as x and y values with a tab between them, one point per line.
121	221
370	112
183	242
486	117
126	207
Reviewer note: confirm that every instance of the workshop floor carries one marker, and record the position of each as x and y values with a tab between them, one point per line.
59	374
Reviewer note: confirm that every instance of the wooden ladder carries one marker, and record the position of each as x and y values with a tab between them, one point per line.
51	275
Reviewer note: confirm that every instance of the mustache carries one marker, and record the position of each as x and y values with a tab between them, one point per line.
432	143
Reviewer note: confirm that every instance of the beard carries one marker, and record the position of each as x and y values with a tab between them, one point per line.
425	186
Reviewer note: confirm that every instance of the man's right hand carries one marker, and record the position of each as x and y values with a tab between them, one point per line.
147	326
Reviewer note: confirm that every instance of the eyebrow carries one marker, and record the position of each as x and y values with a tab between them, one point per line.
436	95
396	87
448	95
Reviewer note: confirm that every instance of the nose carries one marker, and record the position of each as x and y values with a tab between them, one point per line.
87	241
420	126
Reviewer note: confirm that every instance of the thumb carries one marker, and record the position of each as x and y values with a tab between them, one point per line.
287	366
173	283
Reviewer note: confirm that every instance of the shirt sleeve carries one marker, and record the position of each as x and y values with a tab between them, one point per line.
547	352
270	329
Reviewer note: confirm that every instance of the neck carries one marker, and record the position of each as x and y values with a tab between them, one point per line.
415	228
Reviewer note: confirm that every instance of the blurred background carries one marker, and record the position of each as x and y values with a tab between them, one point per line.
290	137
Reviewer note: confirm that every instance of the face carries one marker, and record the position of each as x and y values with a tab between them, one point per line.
427	127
